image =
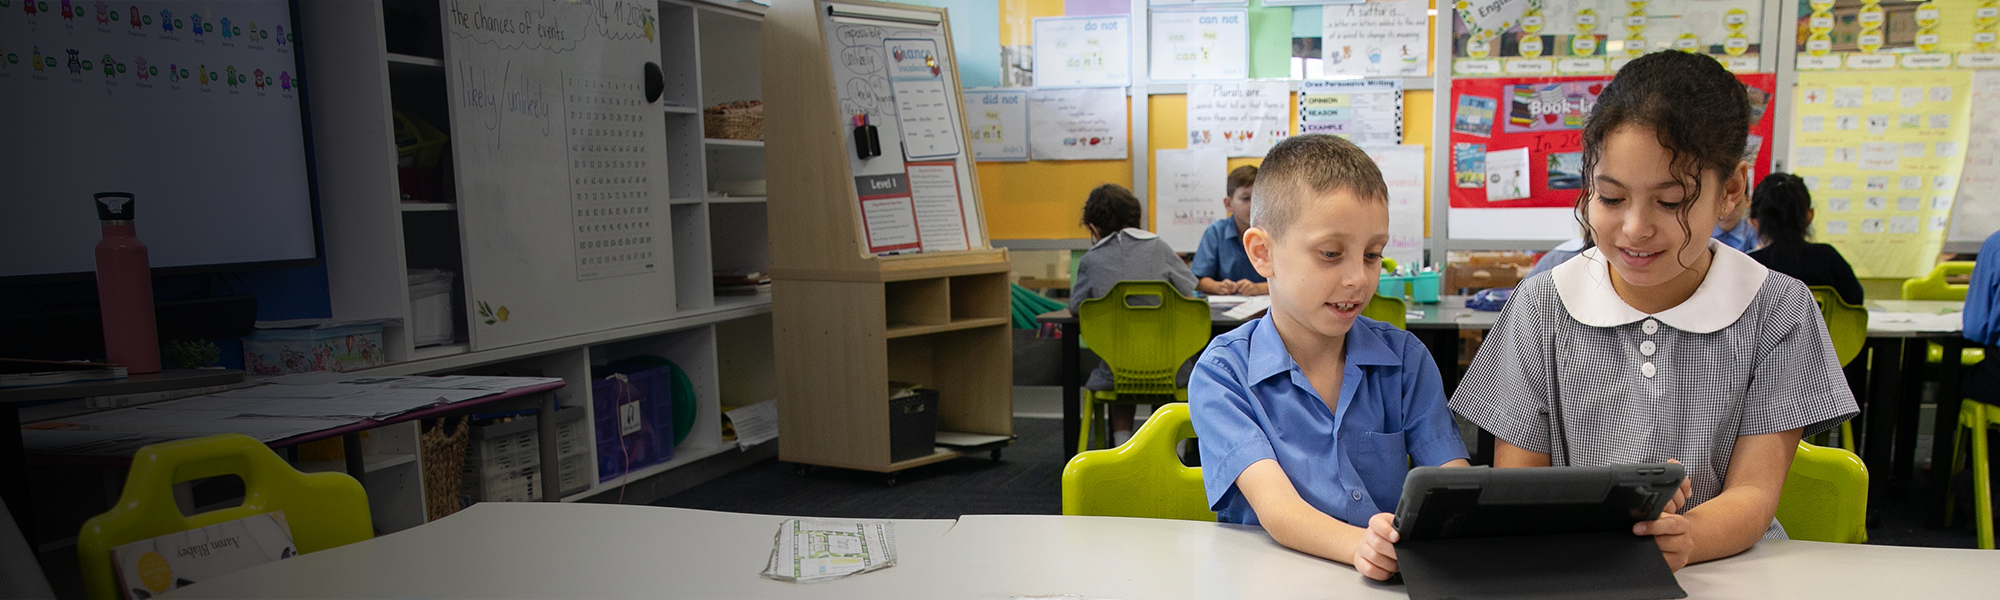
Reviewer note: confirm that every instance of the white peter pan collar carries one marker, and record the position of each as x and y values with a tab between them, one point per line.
1136	233
1584	285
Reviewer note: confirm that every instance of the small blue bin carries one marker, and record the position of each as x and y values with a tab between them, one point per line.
1395	286
1424	287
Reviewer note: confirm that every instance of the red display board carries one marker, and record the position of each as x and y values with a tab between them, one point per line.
1545	115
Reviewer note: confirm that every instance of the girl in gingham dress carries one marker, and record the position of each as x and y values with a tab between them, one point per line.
1661	344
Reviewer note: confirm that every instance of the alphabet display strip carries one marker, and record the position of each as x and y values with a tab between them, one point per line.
154	48
611	212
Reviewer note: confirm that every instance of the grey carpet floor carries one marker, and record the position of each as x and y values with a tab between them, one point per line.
1026	480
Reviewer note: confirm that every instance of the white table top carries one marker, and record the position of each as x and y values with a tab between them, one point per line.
602	551
550	550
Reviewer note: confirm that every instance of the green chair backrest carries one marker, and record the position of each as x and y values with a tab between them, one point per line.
1825	497
1847	324
323	510
1388	310
1143	478
1144	330
1933	286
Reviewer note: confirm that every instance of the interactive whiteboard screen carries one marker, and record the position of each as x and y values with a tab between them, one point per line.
194	107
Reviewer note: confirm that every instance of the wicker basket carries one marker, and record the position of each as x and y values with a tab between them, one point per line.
444	461
741	120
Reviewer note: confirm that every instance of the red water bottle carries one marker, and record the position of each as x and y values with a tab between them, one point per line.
125	288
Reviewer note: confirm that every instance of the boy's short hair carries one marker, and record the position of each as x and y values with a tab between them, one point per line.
1307	165
1111	208
1241	177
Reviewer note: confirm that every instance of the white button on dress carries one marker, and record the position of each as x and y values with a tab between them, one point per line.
1650	327
1646	347
1647	370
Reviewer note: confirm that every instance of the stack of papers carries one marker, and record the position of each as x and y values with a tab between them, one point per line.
1223	300
814	551
280	408
1915	321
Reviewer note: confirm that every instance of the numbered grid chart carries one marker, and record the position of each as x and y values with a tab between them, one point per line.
611	208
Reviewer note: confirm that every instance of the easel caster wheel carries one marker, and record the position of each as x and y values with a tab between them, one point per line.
996	455
799	470
890	480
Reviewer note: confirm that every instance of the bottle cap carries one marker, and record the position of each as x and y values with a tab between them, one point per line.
113	206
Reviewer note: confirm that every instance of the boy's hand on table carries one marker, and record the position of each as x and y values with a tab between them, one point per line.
1250	288
1375	556
1671	530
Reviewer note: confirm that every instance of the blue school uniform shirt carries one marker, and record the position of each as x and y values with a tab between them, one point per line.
1220	255
1744	237
1982	297
1250	401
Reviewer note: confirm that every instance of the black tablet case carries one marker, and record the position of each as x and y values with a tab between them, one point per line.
1559	533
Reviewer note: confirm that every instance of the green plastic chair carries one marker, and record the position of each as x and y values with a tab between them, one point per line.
1143	478
1393	311
1825	497
1934	287
1975	418
1847	324
1144	330
323	510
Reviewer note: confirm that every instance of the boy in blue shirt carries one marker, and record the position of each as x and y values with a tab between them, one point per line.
1982	322
1307	416
1219	264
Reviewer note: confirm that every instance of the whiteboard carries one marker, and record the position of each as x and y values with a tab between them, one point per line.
560	165
1975	214
917	196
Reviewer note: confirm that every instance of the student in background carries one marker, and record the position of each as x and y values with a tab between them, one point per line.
1735	229
1558	255
1660	344
1310	417
1219	260
1121	251
1982	322
1781	212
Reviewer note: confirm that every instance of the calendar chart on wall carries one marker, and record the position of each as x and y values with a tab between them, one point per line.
560	164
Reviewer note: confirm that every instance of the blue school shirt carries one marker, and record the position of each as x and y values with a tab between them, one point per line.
1250	402
1744	237
1982	297
1220	255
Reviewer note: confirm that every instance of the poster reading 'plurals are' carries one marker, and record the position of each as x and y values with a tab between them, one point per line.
1517	152
1882	153
1242	119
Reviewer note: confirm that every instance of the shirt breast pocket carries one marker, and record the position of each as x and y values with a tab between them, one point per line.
1382	460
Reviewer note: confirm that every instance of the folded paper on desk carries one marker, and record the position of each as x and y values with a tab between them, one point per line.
1249	308
149	568
814	550
1223	300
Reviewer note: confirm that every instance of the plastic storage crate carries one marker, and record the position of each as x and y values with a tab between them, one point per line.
634	420
503	460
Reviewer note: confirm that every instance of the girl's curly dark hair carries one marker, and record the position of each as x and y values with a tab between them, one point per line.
1697	110
1111	208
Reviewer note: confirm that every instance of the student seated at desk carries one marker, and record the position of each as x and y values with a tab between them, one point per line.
1982	323
1219	261
1121	251
1781	209
1657	344
1309	416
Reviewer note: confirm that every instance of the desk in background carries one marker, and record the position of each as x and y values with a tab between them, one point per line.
1437	325
498	550
1899	335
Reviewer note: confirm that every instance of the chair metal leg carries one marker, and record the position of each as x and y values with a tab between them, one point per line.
1086	411
1847	435
1959	439
1982	492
